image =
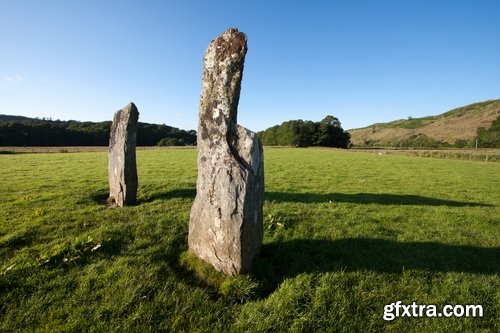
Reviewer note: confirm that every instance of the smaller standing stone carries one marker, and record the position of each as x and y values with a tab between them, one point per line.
122	167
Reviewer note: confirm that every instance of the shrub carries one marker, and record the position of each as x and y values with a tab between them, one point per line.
169	142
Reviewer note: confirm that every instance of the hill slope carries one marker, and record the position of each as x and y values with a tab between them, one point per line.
20	119
458	124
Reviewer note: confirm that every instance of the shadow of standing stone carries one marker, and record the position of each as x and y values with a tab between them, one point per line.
122	167
225	227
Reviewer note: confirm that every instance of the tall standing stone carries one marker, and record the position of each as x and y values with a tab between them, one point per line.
122	168
225	227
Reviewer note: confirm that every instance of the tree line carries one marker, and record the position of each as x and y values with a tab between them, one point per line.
45	132
299	133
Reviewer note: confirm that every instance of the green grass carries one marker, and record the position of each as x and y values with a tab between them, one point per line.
345	234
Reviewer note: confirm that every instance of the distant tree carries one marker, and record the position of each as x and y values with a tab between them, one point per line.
300	133
269	137
166	142
331	134
331	121
489	138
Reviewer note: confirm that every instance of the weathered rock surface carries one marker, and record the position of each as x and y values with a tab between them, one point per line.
225	227
122	168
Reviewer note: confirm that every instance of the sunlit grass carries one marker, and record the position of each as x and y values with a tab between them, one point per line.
344	234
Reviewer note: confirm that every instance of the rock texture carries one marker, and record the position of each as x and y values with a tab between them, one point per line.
225	227
122	168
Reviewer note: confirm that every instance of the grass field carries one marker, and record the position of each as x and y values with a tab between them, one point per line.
481	154
345	234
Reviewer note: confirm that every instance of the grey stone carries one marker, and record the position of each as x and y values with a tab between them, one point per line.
122	167
225	226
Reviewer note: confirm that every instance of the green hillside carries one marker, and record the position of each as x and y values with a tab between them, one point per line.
459	125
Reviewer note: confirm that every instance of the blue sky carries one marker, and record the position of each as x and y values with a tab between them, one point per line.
362	61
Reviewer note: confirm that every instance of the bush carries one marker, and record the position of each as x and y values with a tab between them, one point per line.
489	138
419	141
169	142
461	143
